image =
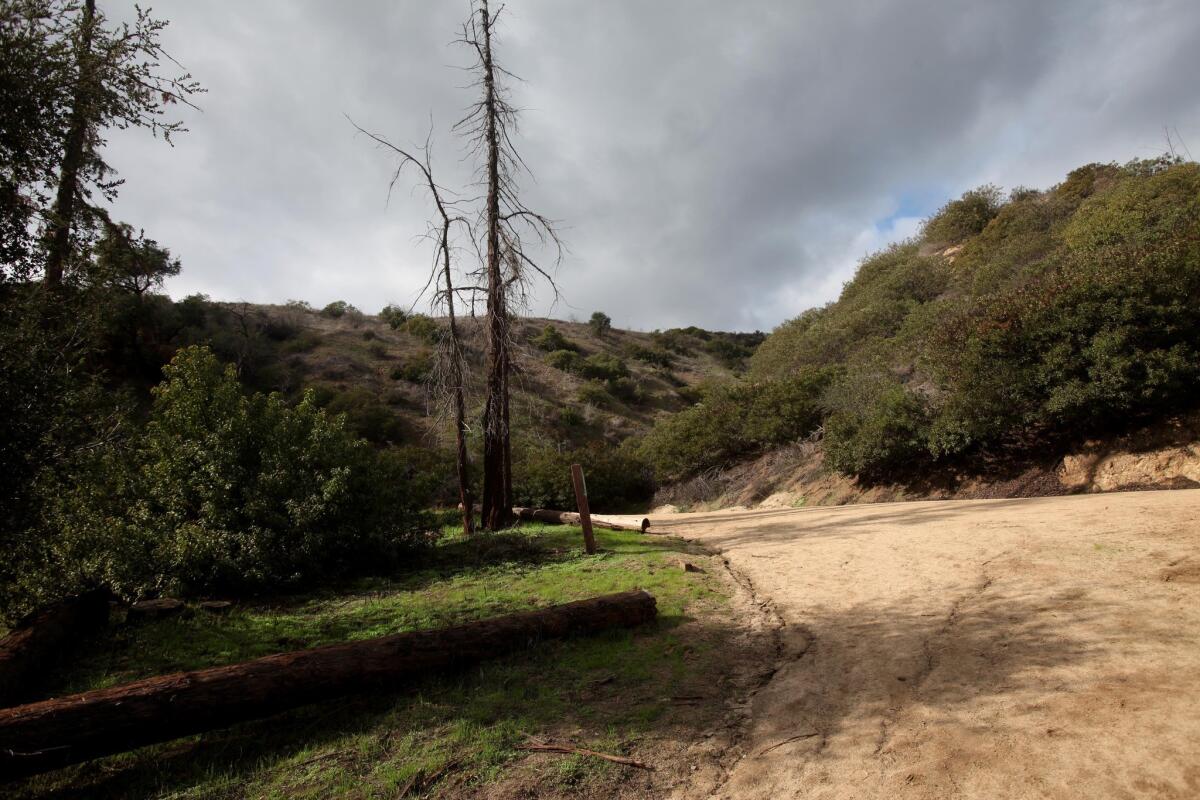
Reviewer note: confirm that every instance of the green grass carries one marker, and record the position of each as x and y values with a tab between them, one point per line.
606	692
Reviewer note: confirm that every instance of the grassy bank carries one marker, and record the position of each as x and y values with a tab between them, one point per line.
451	735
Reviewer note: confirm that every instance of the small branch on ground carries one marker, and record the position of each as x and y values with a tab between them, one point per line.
777	745
580	751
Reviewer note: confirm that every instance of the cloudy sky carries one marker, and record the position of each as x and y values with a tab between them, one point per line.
712	163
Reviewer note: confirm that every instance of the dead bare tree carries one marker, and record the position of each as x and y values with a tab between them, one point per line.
441	277
505	227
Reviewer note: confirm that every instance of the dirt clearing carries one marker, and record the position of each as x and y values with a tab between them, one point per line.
1041	647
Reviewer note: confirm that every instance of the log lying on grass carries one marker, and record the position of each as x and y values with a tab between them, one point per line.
54	733
572	518
43	638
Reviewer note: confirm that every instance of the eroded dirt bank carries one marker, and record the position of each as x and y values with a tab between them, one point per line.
1039	647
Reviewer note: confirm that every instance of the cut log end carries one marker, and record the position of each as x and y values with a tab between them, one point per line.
44	637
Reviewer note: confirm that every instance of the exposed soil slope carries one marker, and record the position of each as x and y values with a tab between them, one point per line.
1164	455
1021	648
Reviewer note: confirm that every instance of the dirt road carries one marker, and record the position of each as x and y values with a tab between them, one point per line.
1032	648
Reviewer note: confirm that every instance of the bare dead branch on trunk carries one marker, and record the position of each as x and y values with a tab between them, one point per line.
506	228
451	373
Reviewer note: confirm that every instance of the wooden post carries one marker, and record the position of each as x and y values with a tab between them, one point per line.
585	516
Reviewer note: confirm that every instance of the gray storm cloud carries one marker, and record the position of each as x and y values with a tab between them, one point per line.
712	163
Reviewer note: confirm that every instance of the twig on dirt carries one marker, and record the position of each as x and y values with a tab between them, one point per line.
777	745
420	781
408	787
571	750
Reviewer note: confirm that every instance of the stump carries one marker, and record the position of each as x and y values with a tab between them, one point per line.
41	639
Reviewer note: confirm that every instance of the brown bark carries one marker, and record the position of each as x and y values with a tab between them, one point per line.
460	426
496	510
62	220
456	372
42	639
54	733
572	518
585	514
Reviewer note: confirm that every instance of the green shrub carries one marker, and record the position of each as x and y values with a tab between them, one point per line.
617	480
280	329
733	421
415	369
887	293
728	352
228	492
594	393
569	417
875	426
649	355
394	316
430	474
424	328
378	349
551	340
565	360
600	323
338	309
627	390
963	218
303	342
603	367
681	341
366	416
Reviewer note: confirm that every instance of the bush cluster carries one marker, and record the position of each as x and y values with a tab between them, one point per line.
423	327
338	309
1068	312
394	316
364	413
552	340
650	355
606	377
226	492
415	369
965	217
617	480
734	420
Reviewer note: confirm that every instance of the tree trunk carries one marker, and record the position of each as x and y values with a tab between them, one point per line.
42	639
62	219
456	379
54	733
496	511
572	518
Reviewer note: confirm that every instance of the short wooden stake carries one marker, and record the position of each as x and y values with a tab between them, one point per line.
585	516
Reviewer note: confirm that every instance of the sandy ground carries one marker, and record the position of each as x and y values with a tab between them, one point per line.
1042	647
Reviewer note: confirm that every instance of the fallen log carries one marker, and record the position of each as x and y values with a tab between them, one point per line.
40	640
572	518
54	733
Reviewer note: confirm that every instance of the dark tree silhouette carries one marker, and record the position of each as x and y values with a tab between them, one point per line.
116	83
506	227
